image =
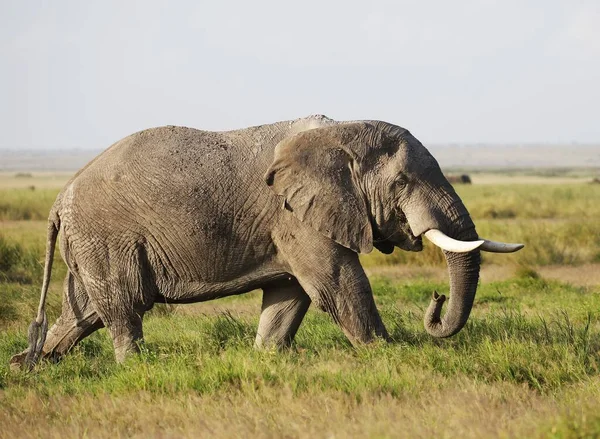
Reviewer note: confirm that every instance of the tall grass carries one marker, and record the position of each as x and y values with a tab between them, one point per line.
17	263
26	204
544	201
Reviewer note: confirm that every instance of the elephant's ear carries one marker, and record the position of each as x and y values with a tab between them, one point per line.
316	172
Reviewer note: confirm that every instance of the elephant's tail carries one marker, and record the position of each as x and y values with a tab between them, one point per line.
39	327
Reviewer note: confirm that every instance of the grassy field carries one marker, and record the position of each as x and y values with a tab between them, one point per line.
526	365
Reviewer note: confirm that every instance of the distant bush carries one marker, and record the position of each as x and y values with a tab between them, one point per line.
525	272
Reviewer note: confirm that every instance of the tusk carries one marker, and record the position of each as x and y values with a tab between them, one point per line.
450	244
500	247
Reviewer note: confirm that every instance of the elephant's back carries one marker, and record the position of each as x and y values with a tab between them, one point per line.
164	157
169	149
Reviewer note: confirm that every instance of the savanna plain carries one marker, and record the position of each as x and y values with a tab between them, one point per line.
526	365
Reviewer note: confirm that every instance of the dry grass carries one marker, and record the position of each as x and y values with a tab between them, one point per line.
503	179
448	409
38	180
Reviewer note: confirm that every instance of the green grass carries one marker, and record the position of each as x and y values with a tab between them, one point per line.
26	204
526	365
537	338
18	263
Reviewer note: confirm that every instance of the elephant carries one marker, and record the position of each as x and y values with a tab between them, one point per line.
178	215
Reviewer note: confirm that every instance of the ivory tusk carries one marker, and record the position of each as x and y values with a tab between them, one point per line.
500	247
443	241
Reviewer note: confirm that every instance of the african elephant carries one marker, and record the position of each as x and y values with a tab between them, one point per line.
178	215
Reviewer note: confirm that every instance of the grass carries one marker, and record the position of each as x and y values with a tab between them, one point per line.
549	201
26	204
18	263
554	173
515	360
526	365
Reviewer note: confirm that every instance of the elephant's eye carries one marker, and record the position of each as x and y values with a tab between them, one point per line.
399	183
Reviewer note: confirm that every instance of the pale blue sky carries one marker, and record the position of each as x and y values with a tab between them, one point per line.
82	74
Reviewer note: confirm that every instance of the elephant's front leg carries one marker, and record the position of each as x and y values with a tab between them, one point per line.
352	306
283	308
337	283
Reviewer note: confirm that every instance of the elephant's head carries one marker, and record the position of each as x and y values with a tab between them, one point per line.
366	184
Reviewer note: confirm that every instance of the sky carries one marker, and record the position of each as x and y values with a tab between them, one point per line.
83	74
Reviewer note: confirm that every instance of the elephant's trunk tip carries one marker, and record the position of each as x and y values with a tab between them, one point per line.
434	311
433	320
438	298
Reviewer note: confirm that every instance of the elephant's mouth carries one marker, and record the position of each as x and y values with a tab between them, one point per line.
411	243
403	239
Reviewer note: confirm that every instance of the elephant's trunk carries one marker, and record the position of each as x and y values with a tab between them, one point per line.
444	216
463	269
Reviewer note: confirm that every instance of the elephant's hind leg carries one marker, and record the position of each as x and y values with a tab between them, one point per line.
122	294
121	315
77	320
283	308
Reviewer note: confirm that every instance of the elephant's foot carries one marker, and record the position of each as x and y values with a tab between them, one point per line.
61	338
126	347
17	362
127	337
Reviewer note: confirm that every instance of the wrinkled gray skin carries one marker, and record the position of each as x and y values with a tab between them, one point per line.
179	215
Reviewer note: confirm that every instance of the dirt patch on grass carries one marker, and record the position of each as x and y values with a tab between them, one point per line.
584	275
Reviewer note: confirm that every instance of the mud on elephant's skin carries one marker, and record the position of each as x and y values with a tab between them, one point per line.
178	215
